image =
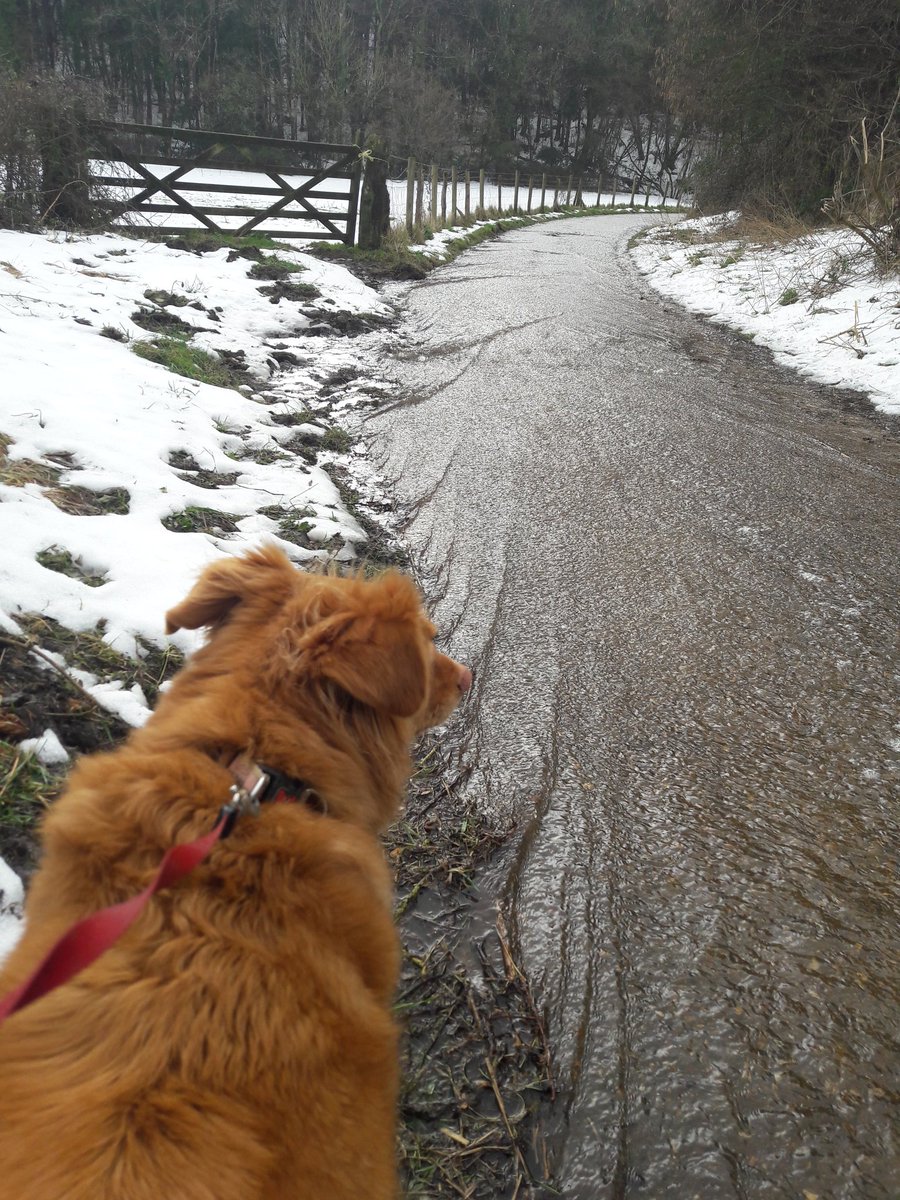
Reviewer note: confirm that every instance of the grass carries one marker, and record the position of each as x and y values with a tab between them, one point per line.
293	526
204	241
283	289
174	354
16	472
196	519
84	502
88	650
337	440
162	298
391	262
274	268
25	788
114	333
160	320
56	558
789	296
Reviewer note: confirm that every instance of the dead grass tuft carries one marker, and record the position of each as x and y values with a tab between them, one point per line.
83	502
16	472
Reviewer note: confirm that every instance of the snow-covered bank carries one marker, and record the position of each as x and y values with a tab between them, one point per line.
120	479
105	452
818	302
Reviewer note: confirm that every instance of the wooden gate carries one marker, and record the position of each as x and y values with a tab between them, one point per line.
206	167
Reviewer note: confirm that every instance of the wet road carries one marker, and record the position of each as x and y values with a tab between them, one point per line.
673	566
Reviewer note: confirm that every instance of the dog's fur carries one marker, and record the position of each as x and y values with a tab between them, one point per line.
237	1043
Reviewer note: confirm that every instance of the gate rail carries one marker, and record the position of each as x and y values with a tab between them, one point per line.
186	150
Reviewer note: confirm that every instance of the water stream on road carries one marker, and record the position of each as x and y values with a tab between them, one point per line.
673	568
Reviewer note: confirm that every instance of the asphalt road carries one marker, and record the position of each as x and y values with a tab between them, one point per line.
673	568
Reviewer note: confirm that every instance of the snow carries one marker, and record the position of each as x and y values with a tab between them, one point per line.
817	302
12	895
47	748
87	412
118	418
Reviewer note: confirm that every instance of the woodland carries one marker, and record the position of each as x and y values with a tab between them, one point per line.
747	101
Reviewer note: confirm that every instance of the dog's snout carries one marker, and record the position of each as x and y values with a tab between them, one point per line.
464	680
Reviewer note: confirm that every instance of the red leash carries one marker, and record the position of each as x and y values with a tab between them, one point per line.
81	945
93	935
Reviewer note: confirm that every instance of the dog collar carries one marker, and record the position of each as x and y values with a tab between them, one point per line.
256	784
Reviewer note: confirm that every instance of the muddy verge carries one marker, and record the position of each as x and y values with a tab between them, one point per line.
477	1069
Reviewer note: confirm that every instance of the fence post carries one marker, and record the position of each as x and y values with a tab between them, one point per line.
468	195
556	194
410	193
434	181
420	199
516	194
544	190
375	203
530	190
579	198
443	197
481	193
500	195
453	195
569	191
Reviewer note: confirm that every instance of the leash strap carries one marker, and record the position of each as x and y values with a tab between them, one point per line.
90	937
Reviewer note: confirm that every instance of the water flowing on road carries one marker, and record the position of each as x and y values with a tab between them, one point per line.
673	566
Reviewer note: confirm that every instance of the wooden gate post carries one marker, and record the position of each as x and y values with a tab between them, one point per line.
543	191
481	194
375	204
516	194
434	202
468	195
530	190
453	195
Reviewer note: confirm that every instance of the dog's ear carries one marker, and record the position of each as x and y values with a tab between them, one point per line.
380	662
224	584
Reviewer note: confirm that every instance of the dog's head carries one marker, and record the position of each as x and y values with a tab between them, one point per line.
367	638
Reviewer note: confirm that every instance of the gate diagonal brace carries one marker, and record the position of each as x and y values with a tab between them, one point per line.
164	184
298	194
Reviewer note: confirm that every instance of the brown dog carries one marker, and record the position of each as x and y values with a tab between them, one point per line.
237	1042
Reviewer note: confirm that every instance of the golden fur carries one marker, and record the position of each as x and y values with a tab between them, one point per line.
237	1043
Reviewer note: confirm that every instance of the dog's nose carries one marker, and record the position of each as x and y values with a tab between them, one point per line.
465	679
